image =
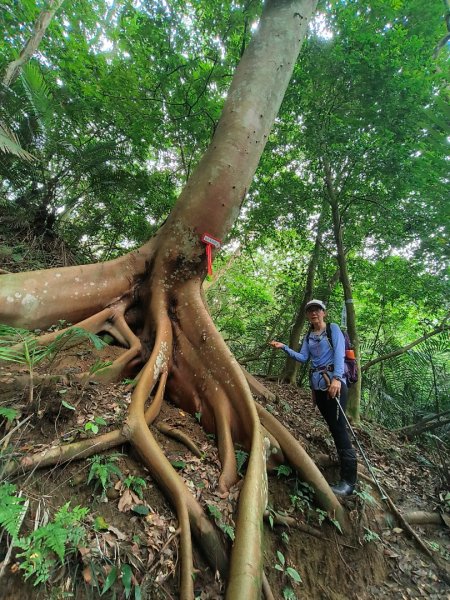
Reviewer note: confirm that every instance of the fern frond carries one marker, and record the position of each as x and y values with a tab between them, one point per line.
79	334
11	509
9	144
38	94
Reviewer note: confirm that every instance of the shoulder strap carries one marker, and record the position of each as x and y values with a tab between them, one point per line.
329	336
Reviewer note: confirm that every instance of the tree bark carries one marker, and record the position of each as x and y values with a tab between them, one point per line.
39	29
291	365
354	396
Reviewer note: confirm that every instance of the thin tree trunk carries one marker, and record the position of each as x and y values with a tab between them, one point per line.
291	365
353	407
324	291
39	29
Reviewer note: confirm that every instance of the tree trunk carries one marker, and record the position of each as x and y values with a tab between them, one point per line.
291	365
39	29
151	301
354	396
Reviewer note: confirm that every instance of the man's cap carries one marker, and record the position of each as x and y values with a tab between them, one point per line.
315	303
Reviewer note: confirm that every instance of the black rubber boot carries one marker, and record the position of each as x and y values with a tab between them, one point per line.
346	485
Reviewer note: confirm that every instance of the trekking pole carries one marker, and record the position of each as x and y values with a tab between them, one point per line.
366	460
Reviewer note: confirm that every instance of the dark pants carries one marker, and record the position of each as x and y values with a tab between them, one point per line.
334	417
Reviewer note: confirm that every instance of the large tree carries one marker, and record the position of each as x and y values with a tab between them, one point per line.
150	300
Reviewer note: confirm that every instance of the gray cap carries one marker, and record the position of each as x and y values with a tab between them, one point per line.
315	302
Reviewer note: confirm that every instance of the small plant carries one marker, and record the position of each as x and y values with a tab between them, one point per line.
283	471
22	346
102	470
126	575
440	550
302	499
8	413
271	516
92	426
365	496
321	515
198	416
336	524
136	484
289	573
371	536
241	459
11	509
225	527
285	538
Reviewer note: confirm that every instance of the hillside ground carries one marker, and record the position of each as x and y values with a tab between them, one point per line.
130	522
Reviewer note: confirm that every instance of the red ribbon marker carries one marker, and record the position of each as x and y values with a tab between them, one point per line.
210	241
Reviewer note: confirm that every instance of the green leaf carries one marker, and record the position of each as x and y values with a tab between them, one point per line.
293	574
110	580
280	557
178	464
140	509
100	524
67	405
126	579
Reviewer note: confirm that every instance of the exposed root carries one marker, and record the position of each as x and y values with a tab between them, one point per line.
223	375
420	517
178	435
268	595
140	436
62	454
303	464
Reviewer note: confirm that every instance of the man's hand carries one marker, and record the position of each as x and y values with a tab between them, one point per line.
335	388
276	344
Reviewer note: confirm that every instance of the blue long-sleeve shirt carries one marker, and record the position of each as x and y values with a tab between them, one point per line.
318	349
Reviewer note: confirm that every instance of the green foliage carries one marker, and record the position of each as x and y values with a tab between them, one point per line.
178	464
11	508
289	573
135	484
241	459
371	536
48	545
102	470
302	498
93	426
8	413
283	470
365	496
225	527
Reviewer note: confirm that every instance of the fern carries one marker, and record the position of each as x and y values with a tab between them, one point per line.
8	413
38	94
11	509
9	143
58	538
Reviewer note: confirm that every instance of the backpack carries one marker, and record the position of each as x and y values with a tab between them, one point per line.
350	366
